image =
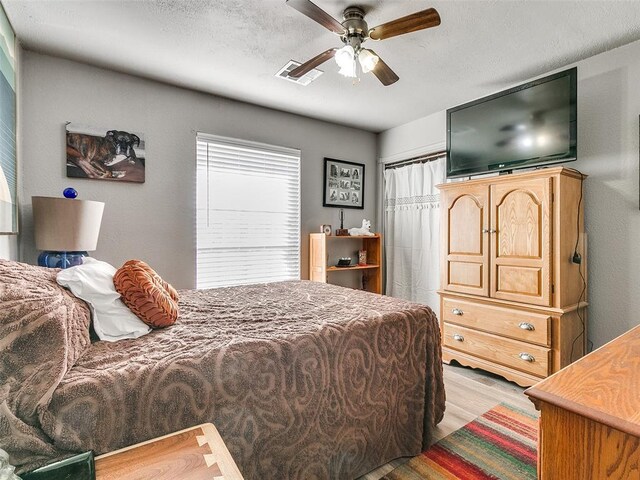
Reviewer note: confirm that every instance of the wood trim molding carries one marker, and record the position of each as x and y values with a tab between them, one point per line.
602	386
515	176
521	378
519	306
583	410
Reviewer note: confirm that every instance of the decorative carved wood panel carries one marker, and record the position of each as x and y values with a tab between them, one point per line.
521	241
465	267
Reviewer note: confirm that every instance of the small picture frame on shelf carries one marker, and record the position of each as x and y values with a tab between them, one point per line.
343	184
326	229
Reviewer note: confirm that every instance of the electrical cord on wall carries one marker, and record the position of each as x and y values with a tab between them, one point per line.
578	311
577	259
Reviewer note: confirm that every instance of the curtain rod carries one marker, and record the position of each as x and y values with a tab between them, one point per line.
420	159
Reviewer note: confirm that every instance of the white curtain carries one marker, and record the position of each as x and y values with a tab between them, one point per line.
412	231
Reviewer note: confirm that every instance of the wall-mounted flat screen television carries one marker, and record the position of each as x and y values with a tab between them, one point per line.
529	125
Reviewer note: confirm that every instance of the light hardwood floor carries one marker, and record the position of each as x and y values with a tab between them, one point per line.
470	393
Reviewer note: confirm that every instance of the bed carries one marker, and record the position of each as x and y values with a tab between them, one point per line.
303	380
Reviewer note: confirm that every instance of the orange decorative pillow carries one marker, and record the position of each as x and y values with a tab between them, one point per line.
146	294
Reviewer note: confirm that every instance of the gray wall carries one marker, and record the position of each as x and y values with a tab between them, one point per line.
422	136
154	221
608	109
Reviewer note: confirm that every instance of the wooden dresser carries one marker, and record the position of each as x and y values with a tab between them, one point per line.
590	415
512	301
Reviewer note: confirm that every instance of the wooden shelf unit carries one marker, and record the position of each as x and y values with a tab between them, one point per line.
321	246
354	267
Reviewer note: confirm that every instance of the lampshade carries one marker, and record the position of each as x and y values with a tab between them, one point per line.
345	58
368	60
66	225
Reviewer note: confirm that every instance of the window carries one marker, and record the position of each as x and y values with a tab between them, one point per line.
248	212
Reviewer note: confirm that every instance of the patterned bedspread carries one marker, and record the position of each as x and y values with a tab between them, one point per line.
303	380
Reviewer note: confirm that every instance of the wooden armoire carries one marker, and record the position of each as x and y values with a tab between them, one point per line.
512	298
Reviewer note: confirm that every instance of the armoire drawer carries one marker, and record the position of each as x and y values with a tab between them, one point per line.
511	353
510	322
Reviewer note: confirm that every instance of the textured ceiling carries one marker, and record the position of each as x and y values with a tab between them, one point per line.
233	48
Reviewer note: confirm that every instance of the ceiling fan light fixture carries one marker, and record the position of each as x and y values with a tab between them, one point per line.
368	60
346	60
353	31
349	71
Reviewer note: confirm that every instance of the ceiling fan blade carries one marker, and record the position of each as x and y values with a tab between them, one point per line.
315	13
384	73
313	63
411	23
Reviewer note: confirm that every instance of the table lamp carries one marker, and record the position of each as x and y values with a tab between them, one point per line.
65	228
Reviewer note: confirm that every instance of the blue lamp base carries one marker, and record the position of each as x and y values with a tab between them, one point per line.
61	259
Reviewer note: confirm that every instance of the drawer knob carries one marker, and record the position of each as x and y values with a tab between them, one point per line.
527	326
458	338
457	311
527	357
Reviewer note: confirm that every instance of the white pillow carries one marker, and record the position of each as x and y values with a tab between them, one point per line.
93	282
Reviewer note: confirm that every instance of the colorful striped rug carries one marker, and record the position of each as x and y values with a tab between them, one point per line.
501	444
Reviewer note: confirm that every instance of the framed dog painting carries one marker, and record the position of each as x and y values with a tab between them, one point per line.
105	154
343	184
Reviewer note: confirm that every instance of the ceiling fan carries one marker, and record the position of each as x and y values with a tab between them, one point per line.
353	32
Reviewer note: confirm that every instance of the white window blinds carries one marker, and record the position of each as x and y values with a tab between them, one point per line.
248	212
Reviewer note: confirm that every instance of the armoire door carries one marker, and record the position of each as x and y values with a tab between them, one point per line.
521	241
465	221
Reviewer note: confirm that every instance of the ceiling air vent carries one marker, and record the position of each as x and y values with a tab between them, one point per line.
305	79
